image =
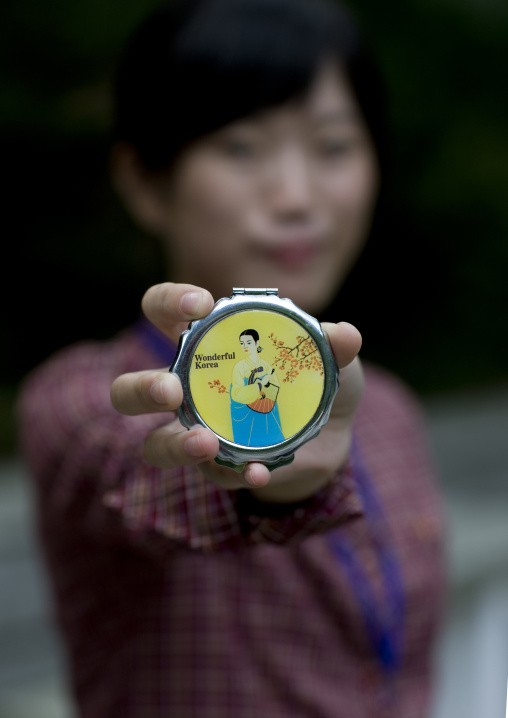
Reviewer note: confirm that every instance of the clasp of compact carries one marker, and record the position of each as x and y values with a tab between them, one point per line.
241	291
259	373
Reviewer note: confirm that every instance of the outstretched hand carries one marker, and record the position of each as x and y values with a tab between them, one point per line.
171	307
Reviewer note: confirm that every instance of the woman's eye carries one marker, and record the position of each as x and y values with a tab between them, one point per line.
334	149
240	149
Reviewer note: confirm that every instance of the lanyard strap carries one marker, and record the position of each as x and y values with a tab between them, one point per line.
384	620
155	340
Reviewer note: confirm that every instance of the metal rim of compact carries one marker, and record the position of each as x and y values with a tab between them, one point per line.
236	455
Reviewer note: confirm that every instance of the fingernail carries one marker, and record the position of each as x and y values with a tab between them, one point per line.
250	478
190	303
159	391
192	446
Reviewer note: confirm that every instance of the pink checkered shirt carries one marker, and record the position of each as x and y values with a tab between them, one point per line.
179	599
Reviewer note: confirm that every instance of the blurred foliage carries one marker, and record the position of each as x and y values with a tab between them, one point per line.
446	67
76	267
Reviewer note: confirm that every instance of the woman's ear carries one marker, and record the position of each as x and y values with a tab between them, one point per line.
137	187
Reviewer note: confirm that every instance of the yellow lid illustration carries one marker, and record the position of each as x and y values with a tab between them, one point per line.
259	373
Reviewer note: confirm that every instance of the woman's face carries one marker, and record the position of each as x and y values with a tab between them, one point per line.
249	345
281	199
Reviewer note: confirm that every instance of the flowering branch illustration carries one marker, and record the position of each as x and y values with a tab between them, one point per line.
216	384
293	360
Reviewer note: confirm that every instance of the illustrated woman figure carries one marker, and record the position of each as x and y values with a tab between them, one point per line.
254	389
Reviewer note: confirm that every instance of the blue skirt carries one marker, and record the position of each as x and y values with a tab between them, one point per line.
251	428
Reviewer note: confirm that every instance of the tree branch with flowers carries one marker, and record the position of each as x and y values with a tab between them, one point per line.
293	360
217	384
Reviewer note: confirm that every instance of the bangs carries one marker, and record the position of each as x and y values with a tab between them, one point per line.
193	69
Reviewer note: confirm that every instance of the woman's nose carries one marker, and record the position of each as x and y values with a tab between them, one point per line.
290	189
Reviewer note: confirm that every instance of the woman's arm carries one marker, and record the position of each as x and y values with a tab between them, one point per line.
244	394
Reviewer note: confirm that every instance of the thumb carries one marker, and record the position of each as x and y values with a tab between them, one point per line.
345	342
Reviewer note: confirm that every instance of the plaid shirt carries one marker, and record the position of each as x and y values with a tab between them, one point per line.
181	599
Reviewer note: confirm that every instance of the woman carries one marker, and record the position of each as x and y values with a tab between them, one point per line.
254	387
249	141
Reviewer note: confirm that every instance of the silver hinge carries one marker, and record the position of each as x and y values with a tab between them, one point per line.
254	290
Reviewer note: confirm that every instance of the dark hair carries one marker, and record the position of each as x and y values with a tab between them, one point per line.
196	65
250	333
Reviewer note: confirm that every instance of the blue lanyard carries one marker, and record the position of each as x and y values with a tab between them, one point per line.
385	622
155	340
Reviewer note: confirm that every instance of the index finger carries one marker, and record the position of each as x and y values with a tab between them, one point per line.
172	306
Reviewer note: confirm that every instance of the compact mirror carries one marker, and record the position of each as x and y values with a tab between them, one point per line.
259	373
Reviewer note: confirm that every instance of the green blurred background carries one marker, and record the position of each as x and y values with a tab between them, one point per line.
76	268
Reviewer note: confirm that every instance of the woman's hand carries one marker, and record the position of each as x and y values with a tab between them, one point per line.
319	460
171	307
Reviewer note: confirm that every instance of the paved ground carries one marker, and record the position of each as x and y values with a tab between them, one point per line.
471	441
31	665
